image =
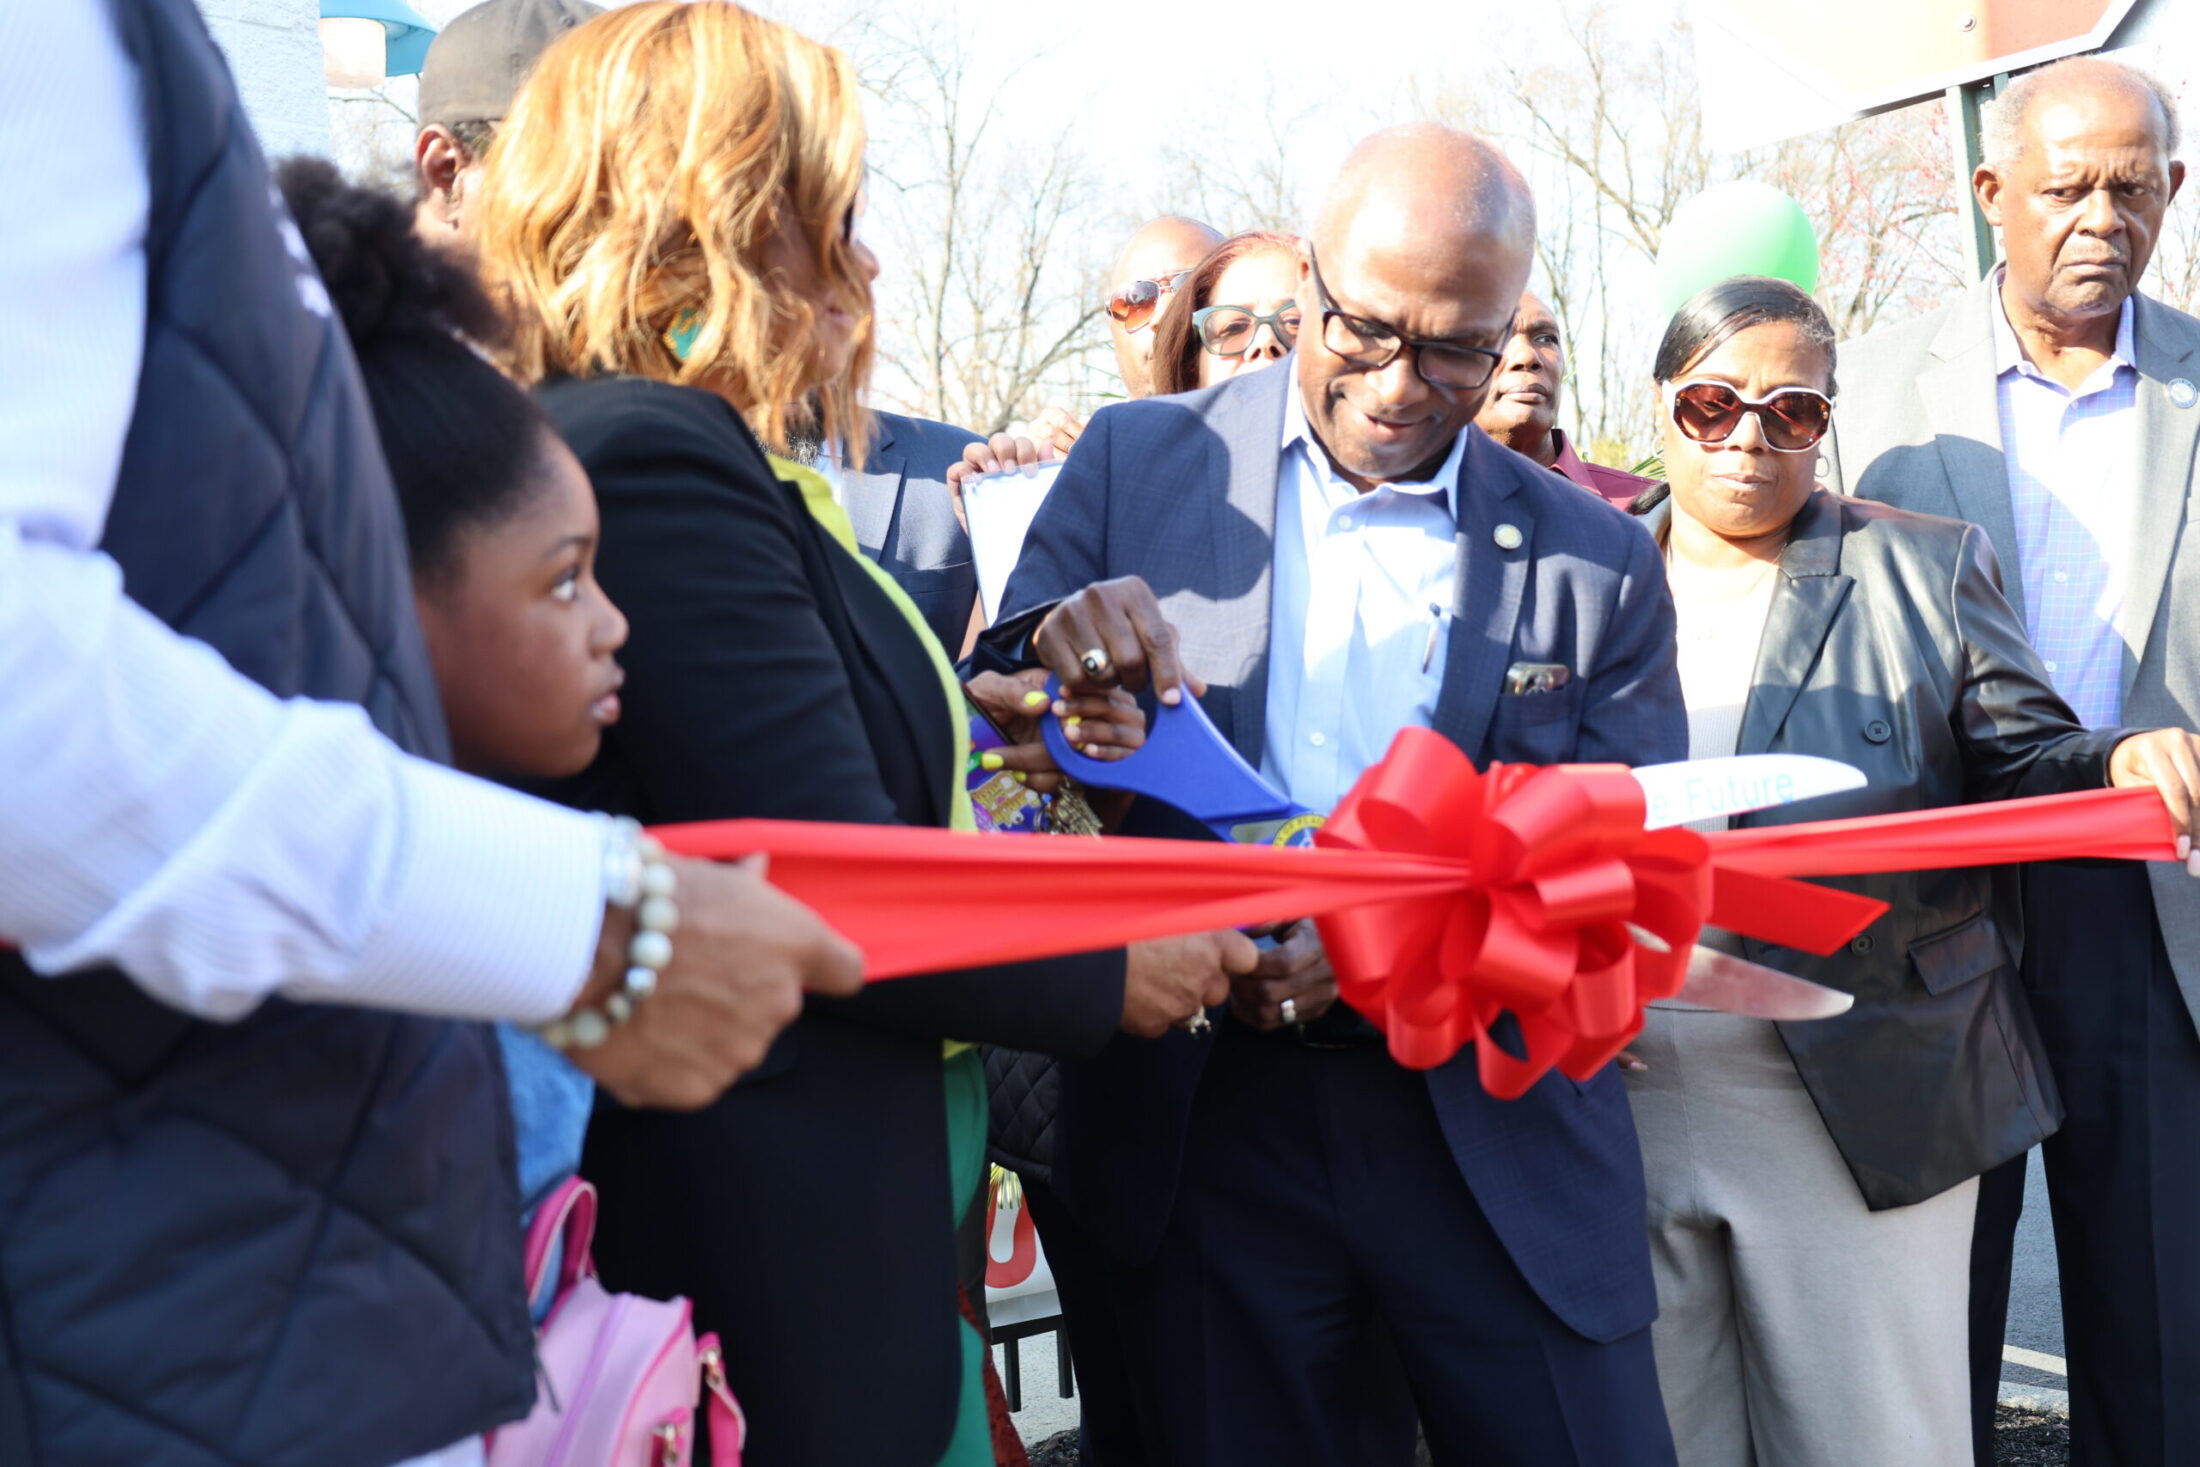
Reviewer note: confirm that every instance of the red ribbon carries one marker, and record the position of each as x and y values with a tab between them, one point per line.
1445	896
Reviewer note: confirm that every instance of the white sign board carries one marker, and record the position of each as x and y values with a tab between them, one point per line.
1769	72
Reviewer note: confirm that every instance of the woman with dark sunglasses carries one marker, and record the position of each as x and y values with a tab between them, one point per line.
1233	313
1812	1185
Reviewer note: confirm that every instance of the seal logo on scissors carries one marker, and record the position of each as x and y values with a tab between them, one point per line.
1297	830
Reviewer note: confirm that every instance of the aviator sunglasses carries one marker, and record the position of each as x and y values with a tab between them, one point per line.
1792	419
1132	306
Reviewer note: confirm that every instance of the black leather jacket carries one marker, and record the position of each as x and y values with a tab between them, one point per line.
1889	646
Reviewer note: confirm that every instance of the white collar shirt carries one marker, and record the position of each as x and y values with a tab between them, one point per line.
1362	595
2073	462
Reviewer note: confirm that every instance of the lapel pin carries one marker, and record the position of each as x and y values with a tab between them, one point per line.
1508	536
2183	393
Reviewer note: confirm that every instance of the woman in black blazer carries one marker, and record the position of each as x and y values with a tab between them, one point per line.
1812	1185
772	672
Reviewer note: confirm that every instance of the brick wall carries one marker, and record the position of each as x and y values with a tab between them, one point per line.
274	47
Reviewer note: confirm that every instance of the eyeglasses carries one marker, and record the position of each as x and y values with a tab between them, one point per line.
1792	419
1133	306
1449	365
1228	331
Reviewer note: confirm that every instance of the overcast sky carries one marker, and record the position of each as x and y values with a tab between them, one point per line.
1134	80
1134	75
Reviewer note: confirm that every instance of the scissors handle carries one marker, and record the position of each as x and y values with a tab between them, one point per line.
1184	762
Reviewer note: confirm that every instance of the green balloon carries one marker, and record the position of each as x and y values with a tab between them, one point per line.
1738	228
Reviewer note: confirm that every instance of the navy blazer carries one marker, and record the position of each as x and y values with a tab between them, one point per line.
770	676
1182	492
904	517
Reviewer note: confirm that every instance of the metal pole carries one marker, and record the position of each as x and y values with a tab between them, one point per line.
1963	122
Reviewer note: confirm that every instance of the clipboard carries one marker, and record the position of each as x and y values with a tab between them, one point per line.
1000	508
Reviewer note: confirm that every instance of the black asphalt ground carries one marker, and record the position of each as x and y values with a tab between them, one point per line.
2035	1301
2023	1439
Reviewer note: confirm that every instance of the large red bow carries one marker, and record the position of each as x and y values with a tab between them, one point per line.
1570	915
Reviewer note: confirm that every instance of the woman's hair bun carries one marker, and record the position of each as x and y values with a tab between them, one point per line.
384	279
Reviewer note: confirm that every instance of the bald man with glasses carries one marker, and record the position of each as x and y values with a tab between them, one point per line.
1339	552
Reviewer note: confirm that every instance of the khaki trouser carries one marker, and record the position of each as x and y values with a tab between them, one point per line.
1795	1327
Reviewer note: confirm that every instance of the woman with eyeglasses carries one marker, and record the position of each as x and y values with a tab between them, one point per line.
684	327
1812	1185
1234	312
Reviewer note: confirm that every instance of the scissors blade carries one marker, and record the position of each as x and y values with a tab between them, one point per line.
1702	789
1734	985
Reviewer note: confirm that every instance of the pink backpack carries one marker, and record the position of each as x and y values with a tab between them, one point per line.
617	1374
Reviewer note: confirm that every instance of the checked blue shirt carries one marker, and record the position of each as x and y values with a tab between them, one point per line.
2073	480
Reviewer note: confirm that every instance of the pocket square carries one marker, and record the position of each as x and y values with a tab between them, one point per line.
1537	677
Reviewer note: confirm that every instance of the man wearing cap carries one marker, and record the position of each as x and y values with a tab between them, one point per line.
473	71
1522	409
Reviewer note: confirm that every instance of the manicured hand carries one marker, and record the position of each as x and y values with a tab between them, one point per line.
1058	428
742	957
2168	761
1107	725
1113	635
1295	968
1001	451
1171	980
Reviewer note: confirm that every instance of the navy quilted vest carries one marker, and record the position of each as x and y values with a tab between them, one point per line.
291	1240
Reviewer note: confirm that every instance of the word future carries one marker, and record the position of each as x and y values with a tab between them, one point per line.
1717	793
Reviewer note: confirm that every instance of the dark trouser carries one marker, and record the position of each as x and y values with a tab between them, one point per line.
2123	1174
1320	1203
1102	1302
1993	1257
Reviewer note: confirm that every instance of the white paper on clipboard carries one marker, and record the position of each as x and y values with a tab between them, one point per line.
1000	508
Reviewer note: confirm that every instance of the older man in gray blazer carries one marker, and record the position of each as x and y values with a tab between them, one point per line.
1340	553
905	519
2058	409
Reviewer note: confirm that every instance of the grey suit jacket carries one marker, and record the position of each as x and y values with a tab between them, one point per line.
1919	427
905	519
1182	492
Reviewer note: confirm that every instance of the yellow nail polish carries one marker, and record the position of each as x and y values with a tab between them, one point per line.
990	760
1021	777
1035	699
1069	725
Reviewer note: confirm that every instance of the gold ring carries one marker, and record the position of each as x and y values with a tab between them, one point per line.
1095	661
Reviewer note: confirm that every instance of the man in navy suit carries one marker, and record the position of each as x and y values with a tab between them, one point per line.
1338	552
904	518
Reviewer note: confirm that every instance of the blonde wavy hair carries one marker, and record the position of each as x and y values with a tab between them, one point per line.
643	170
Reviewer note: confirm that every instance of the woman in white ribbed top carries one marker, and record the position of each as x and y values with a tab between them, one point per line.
1812	1186
1771	1270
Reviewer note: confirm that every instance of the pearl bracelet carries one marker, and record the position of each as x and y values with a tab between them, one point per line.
637	878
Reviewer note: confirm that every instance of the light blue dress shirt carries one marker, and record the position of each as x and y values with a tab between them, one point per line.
1361	607
2073	464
